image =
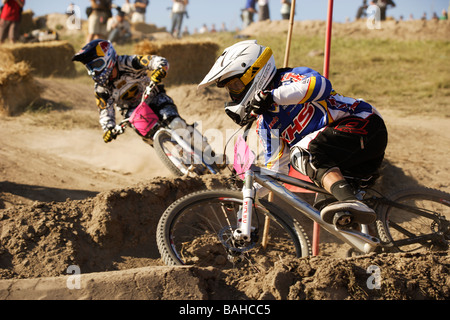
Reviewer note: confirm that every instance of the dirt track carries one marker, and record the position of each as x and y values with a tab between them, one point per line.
103	228
66	198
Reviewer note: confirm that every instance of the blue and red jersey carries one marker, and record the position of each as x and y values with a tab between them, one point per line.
304	102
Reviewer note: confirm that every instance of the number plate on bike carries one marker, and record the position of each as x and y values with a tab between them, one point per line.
243	156
143	119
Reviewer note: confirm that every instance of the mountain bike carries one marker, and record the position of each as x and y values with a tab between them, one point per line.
183	151
234	227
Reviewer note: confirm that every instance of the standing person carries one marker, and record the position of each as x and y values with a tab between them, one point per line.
140	8
263	10
285	9
97	21
383	5
10	20
248	13
128	8
120	81
302	121
361	12
178	12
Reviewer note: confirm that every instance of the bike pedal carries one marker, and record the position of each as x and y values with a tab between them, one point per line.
342	219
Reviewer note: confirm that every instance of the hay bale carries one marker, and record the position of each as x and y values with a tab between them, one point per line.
146	28
189	61
46	58
18	88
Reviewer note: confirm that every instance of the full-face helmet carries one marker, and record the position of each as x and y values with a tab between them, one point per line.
243	69
99	58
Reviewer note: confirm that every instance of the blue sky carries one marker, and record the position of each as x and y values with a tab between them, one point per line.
227	11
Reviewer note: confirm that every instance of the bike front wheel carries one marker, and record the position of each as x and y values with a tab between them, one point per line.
198	230
179	161
415	218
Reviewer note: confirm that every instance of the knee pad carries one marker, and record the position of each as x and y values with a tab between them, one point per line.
302	161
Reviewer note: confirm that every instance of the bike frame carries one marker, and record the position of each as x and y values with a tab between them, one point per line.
271	180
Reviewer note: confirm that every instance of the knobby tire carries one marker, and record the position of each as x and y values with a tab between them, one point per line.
397	227
195	230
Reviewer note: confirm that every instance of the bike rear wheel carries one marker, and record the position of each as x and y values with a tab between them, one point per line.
198	230
420	218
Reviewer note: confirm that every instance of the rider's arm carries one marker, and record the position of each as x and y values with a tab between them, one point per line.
159	65
150	62
313	87
107	114
276	151
276	154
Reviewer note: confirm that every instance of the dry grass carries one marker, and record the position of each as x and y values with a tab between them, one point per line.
410	76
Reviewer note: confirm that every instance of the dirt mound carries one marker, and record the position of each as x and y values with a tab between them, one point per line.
96	234
115	231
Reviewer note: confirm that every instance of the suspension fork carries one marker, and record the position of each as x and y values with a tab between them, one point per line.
243	231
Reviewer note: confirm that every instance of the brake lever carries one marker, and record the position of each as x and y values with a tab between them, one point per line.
150	91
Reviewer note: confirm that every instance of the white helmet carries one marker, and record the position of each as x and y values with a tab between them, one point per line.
244	68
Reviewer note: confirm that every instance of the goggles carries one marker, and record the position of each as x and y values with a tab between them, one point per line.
235	86
96	66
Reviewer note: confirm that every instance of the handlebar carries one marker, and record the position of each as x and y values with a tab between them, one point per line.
150	91
120	128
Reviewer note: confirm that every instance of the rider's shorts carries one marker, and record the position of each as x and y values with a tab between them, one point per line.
354	145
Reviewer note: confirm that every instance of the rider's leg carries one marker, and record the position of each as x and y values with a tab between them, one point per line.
334	182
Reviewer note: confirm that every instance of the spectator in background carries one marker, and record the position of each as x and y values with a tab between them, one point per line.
119	29
263	10
383	4
223	28
203	29
444	15
178	12
435	17
10	20
248	13
285	9
185	31
127	8
140	8
97	21
361	13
